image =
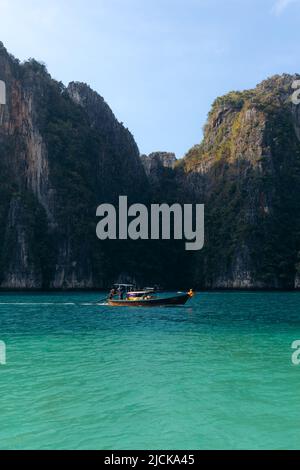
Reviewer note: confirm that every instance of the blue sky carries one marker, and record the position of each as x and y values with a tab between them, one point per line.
158	63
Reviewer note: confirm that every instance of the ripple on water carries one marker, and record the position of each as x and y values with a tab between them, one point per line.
214	375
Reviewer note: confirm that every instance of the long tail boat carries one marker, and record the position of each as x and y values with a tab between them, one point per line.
125	296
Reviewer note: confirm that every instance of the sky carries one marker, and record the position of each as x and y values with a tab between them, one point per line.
159	64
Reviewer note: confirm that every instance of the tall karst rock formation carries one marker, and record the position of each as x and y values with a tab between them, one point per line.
247	171
62	153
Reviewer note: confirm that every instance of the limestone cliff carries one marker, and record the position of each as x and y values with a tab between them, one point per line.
247	170
154	162
62	153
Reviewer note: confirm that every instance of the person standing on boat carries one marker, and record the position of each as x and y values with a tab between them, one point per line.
112	294
121	291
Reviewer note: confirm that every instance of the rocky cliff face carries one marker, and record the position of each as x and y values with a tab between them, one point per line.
247	170
154	162
62	153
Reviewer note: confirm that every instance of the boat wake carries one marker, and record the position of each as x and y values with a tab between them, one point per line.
94	304
45	304
48	304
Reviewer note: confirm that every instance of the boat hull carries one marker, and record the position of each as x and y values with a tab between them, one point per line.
178	300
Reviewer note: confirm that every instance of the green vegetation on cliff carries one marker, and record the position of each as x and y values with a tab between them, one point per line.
249	164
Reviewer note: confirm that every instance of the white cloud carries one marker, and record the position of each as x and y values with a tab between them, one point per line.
281	5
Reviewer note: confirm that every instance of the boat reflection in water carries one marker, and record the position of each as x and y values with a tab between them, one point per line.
124	295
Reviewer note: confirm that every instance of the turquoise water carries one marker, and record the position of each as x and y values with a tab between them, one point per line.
216	374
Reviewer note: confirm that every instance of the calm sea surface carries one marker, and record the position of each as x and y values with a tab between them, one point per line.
216	374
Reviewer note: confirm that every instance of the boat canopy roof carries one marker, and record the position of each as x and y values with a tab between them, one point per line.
124	285
129	289
140	292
